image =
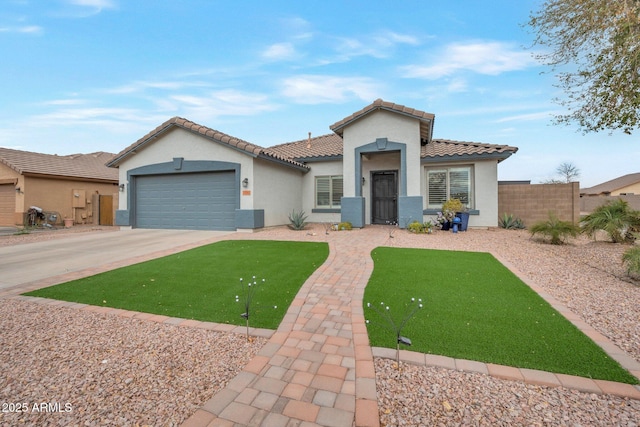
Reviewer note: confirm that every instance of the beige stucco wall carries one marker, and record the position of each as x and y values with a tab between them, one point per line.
484	189
276	189
383	124
59	195
181	143
633	188
309	189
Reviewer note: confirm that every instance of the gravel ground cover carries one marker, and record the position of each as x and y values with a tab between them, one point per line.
430	396
55	355
92	369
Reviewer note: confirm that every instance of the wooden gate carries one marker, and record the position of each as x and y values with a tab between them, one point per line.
106	210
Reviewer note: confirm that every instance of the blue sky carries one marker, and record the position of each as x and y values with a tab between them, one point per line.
96	75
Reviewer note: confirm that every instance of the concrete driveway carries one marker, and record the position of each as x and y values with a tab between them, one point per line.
30	262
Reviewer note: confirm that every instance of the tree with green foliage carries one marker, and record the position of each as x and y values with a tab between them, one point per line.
594	45
615	218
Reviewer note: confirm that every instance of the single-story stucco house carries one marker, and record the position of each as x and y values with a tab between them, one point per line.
380	165
76	186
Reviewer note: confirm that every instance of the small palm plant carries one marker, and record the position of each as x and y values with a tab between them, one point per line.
389	323
556	230
615	218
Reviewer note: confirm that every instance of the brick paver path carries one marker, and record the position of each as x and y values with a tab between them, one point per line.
317	369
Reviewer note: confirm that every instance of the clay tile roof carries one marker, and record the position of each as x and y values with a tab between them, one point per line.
426	119
212	134
445	148
88	166
318	147
612	185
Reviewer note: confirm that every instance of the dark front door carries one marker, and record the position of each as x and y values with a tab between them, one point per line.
384	197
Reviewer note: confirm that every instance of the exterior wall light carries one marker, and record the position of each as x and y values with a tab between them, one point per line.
245	182
121	187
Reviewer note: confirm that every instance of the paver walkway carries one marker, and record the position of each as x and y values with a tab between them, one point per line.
317	369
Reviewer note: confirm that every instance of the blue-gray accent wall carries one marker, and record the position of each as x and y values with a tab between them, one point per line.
249	218
409	210
353	211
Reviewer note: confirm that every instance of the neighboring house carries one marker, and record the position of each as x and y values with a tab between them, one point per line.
67	185
380	165
626	187
623	185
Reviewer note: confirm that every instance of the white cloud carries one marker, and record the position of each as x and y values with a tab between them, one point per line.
141	86
527	117
279	51
313	89
220	103
94	4
378	45
489	58
26	29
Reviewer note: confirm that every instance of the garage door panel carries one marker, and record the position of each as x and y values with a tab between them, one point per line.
199	201
7	204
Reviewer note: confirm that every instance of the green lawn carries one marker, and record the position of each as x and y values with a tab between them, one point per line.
475	308
202	283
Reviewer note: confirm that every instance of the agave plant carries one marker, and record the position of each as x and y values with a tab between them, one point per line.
615	218
510	222
297	220
556	230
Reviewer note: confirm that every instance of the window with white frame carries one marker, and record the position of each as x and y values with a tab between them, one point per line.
449	183
328	191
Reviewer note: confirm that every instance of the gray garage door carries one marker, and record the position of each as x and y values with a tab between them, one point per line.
193	201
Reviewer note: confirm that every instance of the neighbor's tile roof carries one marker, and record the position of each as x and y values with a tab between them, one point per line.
89	166
318	147
206	132
612	185
426	119
446	148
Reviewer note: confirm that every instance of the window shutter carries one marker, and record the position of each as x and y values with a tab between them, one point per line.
336	191
323	191
437	183
460	185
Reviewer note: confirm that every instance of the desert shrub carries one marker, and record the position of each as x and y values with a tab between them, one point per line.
297	220
615	218
632	260
510	222
416	227
345	226
556	230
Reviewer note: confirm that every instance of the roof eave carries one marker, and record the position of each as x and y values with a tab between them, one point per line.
294	165
467	157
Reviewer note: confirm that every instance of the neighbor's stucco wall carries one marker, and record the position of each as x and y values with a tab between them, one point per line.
383	124
276	189
484	190
633	188
181	143
71	199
